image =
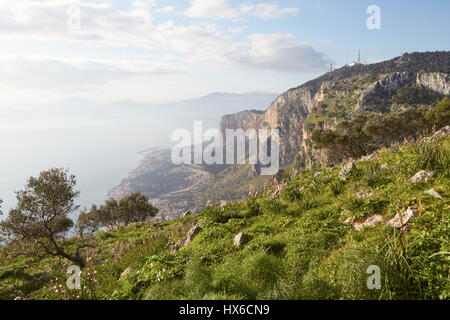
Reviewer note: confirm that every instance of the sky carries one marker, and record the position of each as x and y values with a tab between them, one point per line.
168	50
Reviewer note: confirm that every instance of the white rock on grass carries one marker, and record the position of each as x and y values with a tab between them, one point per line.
435	194
191	234
241	238
346	169
399	221
422	175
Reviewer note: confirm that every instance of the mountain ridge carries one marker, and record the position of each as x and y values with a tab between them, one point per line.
320	103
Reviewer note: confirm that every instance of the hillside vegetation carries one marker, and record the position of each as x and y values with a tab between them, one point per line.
305	239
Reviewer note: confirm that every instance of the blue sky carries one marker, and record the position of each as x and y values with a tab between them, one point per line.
164	50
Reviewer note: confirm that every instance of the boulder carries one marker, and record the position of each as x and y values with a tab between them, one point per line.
435	194
241	239
400	220
422	175
346	169
191	234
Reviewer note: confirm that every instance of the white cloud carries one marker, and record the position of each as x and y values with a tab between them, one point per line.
105	24
221	9
278	52
40	71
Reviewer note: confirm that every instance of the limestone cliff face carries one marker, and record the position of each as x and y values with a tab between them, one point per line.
436	81
248	119
287	113
387	85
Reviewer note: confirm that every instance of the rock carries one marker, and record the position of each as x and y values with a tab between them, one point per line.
423	175
436	81
125	272
435	194
384	86
384	166
241	238
399	221
191	234
186	213
346	169
363	194
369	222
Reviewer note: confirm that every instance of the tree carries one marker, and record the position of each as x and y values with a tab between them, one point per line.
436	117
41	215
88	221
369	131
132	208
136	208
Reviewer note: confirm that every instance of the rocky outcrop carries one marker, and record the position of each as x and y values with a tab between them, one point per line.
436	81
195	230
387	85
248	119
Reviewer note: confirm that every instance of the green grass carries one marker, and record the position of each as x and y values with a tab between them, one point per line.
299	246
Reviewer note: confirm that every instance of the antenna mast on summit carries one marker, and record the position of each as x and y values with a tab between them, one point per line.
359	56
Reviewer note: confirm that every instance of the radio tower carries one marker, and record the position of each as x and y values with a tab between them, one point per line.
359	56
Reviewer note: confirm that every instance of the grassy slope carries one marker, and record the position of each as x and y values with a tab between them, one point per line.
299	248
